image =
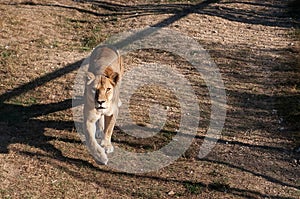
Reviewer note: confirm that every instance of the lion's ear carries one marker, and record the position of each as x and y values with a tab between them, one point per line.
90	77
113	76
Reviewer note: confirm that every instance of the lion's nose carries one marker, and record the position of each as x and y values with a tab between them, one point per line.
100	102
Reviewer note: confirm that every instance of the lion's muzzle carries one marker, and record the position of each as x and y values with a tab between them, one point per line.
100	105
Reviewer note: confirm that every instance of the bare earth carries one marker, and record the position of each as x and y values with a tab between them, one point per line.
254	44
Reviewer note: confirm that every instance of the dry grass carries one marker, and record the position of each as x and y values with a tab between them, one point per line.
42	44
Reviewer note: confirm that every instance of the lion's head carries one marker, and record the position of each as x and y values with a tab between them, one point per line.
100	88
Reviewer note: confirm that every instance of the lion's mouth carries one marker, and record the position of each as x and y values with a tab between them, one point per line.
100	108
99	105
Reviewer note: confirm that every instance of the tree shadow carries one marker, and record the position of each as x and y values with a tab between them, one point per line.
260	16
19	123
267	14
259	113
89	177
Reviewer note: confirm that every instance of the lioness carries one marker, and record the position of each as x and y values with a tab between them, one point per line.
101	100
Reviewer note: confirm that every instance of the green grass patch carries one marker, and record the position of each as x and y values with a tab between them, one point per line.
297	33
4	194
93	38
88	33
23	101
193	188
7	56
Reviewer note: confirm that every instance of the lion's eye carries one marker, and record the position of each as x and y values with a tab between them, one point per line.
108	90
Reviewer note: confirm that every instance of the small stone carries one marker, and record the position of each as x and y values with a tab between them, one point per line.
171	193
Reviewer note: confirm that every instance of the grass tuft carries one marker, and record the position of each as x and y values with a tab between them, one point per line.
7	56
193	188
92	39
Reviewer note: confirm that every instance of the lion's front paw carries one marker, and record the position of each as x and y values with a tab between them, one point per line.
99	154
107	146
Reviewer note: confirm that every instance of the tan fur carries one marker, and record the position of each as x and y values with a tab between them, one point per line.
102	100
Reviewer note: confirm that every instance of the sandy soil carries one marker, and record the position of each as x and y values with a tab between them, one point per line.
254	44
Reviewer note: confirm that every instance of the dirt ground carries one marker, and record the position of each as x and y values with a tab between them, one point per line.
255	45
